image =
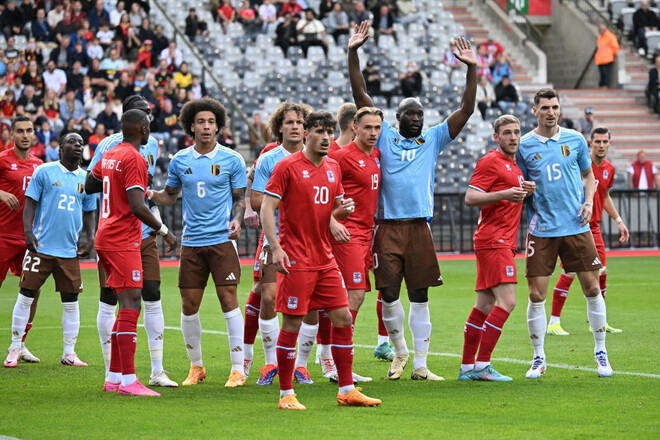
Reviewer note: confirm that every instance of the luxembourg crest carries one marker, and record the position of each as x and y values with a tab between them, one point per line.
509	271
136	275
331	176
292	303
605	174
377	162
357	277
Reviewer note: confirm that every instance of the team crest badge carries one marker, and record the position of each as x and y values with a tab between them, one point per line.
292	303
150	160
136	275
419	141
256	265
509	271
357	277
81	188
331	176
605	174
215	170
377	161
566	150
33	166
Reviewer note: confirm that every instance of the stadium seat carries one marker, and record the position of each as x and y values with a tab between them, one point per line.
626	16
617	8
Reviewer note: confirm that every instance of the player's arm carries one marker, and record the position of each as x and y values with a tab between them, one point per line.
343	208
586	210
608	204
89	225
475	197
141	211
358	86
29	212
237	212
92	184
10	200
268	207
251	217
459	118
164	197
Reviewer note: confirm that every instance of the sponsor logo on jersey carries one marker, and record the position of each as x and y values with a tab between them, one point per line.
57	183
305	174
331	176
605	174
508	167
566	150
150	159
396	140
509	271
81	188
361	163
188	171
215	170
537	156
292	303
136	275
357	277
419	141
14	167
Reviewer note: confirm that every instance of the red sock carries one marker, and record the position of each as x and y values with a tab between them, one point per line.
342	353
493	324
603	286
472	335
251	326
27	329
560	293
127	338
382	331
286	358
115	356
323	336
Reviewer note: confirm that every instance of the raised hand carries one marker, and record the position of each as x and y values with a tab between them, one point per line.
360	35
465	53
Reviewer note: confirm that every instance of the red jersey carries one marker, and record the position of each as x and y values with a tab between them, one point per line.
266	149
498	222
360	177
334	147
120	169
604	175
15	174
307	196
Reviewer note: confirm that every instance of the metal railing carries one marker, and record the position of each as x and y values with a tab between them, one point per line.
454	223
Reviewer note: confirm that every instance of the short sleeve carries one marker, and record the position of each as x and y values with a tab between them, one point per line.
484	176
439	135
278	182
98	153
135	173
386	133
521	164
613	171
239	174
96	170
261	175
89	202
584	160
36	185
173	177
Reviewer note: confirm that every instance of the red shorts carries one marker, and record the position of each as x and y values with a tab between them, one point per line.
301	291
11	257
495	267
600	245
124	269
354	261
256	277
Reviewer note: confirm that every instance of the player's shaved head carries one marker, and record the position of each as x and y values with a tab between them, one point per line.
135	102
410	115
135	127
409	103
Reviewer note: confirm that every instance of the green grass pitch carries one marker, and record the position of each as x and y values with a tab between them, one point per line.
46	400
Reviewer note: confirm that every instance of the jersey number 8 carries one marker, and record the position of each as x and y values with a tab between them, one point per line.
105	202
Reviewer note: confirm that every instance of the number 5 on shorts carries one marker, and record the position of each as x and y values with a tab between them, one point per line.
530	248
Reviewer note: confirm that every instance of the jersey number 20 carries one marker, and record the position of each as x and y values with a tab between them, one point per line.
321	195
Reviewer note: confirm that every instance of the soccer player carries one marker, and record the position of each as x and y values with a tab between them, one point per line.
56	206
213	180
403	245
557	159
16	168
287	122
123	177
345	116
604	174
154	322
498	187
306	187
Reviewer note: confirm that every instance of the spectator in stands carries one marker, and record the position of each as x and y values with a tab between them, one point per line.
607	48
70	107
486	97
172	55
6	142
337	22
194	26
144	32
286	34
359	14
160	41
52	110
78	15
183	77
653	86
115	15
31	103
198	88
225	138
146	58
247	16
226	14
55	15
52	151
64	27
383	22
37	148
311	32
105	35
484	61
501	67
587	122
124	87
507	96
94	106
372	79
642	174
268	17
450	61
113	62
27	8
97	76
164	73
408	13
168	122
62	54
94	49
80	55
257	145
96	138
325	8
108	118
99	14
292	7
644	20
411	81
7	107
85	132
74	77
17	87
54	78
40	28
12	20
137	14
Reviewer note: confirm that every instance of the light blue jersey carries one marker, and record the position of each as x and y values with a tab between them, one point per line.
408	171
207	181
61	199
556	165
149	152
265	166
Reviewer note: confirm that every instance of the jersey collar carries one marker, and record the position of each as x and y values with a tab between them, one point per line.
211	154
544	139
66	170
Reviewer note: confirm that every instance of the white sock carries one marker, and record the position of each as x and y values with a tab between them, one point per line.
248	349
419	321
154	324
536	326
70	326
105	319
127	379
19	319
306	338
346	389
113	377
597	314
554	320
393	316
325	351
191	327
234	320
284	393
480	365
383	339
466	367
269	330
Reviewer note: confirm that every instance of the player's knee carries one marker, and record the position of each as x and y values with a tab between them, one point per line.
418	295
151	290
68	297
108	296
29	293
389	294
592	291
536	296
508	304
267	305
341	318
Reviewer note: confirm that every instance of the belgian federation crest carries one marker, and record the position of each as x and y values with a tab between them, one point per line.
331	176
605	174
215	170
81	188
150	160
566	150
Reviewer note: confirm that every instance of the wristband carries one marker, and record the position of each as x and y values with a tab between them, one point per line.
587	204
163	230
618	219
